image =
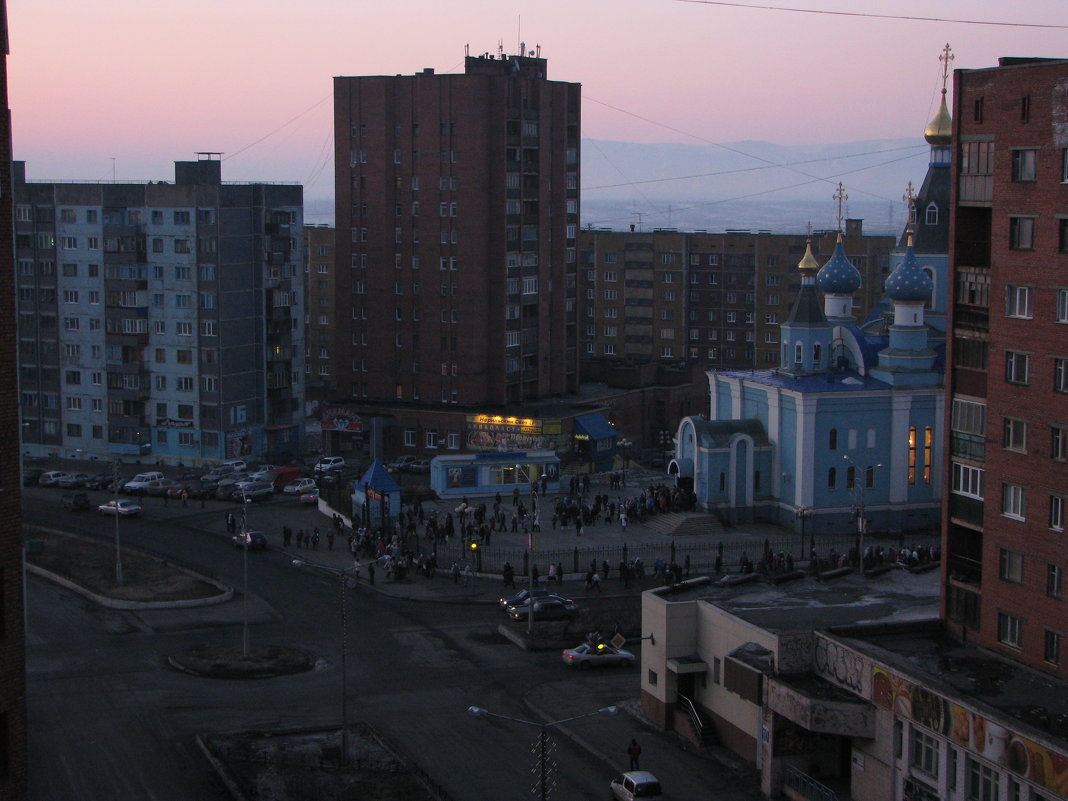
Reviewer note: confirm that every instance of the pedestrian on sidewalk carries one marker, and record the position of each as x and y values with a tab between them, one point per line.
455	570
596	580
330	540
509	575
371	572
633	752
315	540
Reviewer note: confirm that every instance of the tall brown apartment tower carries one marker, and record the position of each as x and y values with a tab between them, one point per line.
12	632
457	216
1005	548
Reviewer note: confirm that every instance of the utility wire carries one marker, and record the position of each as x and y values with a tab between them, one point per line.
872	16
285	124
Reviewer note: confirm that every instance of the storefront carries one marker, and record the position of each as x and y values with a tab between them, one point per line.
490	473
593	441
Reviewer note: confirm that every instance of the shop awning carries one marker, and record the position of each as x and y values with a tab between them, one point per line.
595	426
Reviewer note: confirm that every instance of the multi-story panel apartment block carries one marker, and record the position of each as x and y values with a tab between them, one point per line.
13	772
160	320
320	269
1007	389
711	299
457	213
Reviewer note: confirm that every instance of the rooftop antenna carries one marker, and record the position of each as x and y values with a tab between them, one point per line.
112	169
500	48
467	50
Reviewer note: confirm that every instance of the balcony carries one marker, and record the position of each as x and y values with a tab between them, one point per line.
970	446
966	510
976	188
963	570
976	318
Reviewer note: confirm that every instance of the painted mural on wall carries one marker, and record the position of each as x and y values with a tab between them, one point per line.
338	418
989	739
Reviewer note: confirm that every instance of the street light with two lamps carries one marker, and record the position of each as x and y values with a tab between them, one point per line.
862	521
543	738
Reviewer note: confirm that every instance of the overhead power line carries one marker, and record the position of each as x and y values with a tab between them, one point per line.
872	16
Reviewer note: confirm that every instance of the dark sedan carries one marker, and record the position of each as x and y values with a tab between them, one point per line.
255	540
551	608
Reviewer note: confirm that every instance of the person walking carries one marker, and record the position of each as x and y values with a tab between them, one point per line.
315	540
371	572
634	751
508	574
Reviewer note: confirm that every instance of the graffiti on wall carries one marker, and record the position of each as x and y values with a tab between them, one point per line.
971	730
840	665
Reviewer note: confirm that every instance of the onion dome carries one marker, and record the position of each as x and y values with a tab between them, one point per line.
909	282
939	130
808	264
838	276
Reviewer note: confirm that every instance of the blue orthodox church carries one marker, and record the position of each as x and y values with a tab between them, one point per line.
847	431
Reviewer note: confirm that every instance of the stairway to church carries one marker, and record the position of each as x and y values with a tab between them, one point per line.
679	524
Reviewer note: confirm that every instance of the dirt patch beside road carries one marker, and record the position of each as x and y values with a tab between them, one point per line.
91	564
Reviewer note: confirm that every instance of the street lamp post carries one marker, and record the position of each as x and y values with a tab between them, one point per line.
543	738
115	501
625	444
531	546
862	521
244	570
802	513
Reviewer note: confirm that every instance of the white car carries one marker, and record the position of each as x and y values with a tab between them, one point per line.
237	465
51	478
586	656
329	463
122	508
140	482
400	464
635	784
300	486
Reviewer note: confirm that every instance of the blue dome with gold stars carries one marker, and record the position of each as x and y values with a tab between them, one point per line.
838	276
909	282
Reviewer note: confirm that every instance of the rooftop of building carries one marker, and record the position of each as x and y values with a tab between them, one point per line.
807	603
831	381
1037	700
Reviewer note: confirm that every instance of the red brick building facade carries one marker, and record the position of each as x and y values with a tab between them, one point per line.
457	216
1007	385
13	780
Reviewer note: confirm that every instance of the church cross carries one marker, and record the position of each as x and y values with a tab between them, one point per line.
945	58
841	197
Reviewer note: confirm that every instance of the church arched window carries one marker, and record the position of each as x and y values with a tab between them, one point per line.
832	478
932	214
817	353
832	439
798	354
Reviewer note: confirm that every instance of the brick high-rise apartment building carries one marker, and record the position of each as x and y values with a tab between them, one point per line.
457	216
1005	553
13	779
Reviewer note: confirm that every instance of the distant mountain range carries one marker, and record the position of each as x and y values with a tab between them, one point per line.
738	185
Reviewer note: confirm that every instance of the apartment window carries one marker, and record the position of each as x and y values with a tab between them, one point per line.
183	329
1051	649
1018	301
925	752
1056	512
1013	501
1023	164
1010	566
530	285
968	481
1054	580
610	330
1060	375
1017	365
1010	632
1062	303
1022	233
832	478
610	294
184	384
1014	435
610	350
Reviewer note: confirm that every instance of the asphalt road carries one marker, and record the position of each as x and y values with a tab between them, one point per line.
109	718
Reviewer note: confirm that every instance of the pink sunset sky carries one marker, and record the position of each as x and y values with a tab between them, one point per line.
148	82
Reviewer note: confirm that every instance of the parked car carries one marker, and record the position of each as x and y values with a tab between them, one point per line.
253	491
280	476
100	481
31	477
72	481
329	463
160	487
236	465
193	488
586	655
635	784
524	597
310	497
254	540
400	464
419	466
121	507
51	478
552	608
218	472
300	486
76	501
226	487
137	484
262	472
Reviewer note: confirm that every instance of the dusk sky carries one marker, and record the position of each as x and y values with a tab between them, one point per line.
148	82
